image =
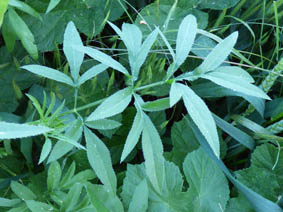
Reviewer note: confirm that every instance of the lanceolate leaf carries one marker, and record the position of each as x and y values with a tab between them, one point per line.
153	153
157	105
113	105
218	54
92	72
134	135
103	124
175	94
3	9
259	203
22	191
103	58
35	206
143	52
185	38
49	73
23	33
13	131
201	115
20	5
46	148
52	4
74	57
99	158
235	83
235	133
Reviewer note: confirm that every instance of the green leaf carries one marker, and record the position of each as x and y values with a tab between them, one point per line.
49	73
185	38
35	206
217	4
205	195
142	54
239	203
74	57
69	174
103	58
114	104
99	158
23	192
25	8
217	56
235	133
14	131
103	200
258	202
234	81
134	135
23	33
140	198
153	153
103	124
52	4
91	73
201	115
72	197
9	202
156	105
54	176
175	94
46	148
8	34
81	177
3	9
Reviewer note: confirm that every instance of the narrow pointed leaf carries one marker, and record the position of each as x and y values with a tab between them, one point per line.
153	154
3	9
156	105
134	135
132	37
22	191
23	33
53	176
20	5
220	52
185	38
113	105
52	4
46	148
202	117
175	94
74	57
143	52
91	73
13	131
72	197
235	83
35	206
103	58
99	158
103	124
258	202
235	133
9	202
140	198
235	71
49	73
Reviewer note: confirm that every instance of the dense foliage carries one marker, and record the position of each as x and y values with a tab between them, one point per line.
141	105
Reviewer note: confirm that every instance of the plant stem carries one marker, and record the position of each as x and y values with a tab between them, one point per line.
150	85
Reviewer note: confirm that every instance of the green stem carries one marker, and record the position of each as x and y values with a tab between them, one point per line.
150	85
277	29
93	104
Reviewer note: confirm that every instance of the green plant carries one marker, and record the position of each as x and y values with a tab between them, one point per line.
157	184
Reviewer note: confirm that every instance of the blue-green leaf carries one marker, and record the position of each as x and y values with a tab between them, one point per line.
153	153
74	57
23	33
201	115
114	104
103	58
20	5
22	191
217	56
8	202
140	198
134	135
175	94
53	176
99	158
156	105
46	148
91	73
49	73
103	124
13	131
35	206
185	38
72	197
52	4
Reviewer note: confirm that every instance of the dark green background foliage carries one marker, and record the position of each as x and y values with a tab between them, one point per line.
141	105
